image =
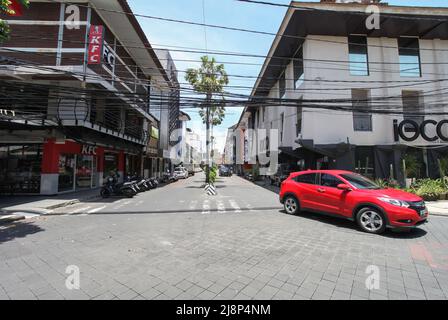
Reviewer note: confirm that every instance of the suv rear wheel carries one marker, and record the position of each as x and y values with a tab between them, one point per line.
291	205
371	220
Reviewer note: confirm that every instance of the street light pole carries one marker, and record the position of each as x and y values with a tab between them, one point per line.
207	124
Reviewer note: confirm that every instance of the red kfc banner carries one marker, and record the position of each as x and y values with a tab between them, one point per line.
96	35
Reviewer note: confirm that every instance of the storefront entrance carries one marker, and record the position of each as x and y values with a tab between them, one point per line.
20	167
77	172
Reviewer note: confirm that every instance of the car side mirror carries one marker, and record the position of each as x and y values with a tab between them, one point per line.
344	187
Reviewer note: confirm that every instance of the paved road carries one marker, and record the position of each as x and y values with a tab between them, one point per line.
177	243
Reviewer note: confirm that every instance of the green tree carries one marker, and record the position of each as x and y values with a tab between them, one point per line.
9	7
209	79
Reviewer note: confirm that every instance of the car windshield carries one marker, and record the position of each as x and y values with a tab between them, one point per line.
360	182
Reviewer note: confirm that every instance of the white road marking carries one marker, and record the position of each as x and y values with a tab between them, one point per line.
193	204
250	208
96	209
221	207
235	206
139	203
81	210
206	207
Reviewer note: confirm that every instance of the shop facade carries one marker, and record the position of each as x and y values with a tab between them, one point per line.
70	166
389	122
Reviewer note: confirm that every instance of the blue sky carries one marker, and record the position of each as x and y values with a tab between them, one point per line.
228	13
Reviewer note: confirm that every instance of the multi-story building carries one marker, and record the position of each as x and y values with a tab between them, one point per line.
82	91
343	94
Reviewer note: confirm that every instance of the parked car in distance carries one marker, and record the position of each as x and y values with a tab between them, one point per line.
351	196
225	171
181	173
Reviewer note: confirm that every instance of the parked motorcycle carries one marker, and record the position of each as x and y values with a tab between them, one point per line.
112	187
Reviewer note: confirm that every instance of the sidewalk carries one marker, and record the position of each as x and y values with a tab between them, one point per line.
439	208
42	205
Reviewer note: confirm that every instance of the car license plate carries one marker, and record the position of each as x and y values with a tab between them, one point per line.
424	212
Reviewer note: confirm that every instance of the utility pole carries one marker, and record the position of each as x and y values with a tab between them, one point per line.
207	145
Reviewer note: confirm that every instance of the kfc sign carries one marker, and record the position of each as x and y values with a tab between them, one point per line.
96	36
109	58
89	150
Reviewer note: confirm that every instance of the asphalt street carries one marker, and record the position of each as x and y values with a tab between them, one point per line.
178	243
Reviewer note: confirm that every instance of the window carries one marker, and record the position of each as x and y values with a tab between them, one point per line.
20	168
298	68
360	182
282	122
412	106
358	55
282	85
362	119
364	161
308	178
409	52
299	120
328	180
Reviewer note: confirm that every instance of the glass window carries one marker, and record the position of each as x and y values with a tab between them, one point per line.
358	55
20	168
409	52
362	119
299	119
359	181
412	106
307	178
66	172
282	85
110	164
282	123
364	161
84	165
328	180
299	75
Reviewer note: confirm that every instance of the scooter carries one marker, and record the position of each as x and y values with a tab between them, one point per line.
139	184
154	182
112	187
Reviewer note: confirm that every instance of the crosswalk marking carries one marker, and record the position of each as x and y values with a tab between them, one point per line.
235	206
193	205
206	207
221	207
96	209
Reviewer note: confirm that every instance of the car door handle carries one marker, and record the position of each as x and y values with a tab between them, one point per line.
320	190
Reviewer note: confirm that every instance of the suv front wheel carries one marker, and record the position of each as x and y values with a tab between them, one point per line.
371	220
291	205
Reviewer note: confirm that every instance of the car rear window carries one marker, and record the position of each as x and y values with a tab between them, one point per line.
308	178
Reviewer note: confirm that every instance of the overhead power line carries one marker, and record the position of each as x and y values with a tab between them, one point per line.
200	24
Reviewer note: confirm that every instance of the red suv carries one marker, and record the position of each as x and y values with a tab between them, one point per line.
351	196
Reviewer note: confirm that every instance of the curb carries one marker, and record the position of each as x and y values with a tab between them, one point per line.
10	218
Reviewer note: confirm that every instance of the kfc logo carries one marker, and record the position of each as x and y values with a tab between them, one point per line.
95	44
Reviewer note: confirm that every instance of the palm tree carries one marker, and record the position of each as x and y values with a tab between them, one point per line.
12	8
209	79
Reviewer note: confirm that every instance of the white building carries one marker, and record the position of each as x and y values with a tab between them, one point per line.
340	97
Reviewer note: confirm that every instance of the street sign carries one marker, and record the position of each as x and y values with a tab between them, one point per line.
95	44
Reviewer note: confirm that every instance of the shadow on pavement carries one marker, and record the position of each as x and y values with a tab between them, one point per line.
350	225
10	232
